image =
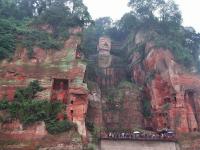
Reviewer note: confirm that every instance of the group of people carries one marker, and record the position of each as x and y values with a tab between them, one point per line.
136	135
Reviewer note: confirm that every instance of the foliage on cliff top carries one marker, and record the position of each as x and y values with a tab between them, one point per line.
17	33
161	17
20	20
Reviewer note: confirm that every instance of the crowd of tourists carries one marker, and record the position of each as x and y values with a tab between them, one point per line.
167	135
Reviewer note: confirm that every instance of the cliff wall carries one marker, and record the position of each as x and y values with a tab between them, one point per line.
122	109
172	91
59	72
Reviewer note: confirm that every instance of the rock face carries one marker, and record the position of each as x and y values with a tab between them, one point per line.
59	72
190	141
63	147
14	130
173	92
112	105
94	114
123	111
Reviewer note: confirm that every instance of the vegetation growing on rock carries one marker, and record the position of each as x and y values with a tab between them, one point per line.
25	23
29	110
45	24
159	19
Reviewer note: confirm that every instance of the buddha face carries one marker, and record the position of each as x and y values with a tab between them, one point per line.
104	44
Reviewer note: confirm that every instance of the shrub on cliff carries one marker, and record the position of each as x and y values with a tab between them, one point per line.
28	92
7	39
31	111
17	33
146	108
4	104
55	126
28	110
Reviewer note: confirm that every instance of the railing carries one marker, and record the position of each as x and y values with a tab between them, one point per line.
139	137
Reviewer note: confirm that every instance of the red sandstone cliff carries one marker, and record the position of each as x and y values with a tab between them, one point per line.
59	72
123	111
172	91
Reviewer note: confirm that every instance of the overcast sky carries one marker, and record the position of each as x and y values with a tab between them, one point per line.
116	8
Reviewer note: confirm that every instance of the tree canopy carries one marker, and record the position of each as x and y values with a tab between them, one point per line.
18	17
162	17
164	10
145	8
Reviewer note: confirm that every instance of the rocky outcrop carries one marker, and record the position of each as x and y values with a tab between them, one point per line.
63	147
122	111
64	141
174	93
190	141
94	114
58	71
15	130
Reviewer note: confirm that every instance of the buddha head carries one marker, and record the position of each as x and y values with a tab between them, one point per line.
104	45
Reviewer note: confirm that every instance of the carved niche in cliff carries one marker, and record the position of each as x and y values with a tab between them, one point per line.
110	70
60	90
192	114
104	57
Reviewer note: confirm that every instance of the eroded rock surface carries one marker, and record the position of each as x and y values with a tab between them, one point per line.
173	92
59	72
123	111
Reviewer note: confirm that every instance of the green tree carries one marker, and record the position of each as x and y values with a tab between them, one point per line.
17	17
192	40
7	39
128	23
102	24
170	12
146	108
90	41
71	12
27	7
28	92
145	8
92	33
164	10
80	12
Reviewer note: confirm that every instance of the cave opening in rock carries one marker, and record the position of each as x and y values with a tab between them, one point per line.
71	114
60	90
189	97
60	84
190	93
174	97
192	108
167	100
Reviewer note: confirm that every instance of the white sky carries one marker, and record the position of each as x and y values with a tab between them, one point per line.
116	8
